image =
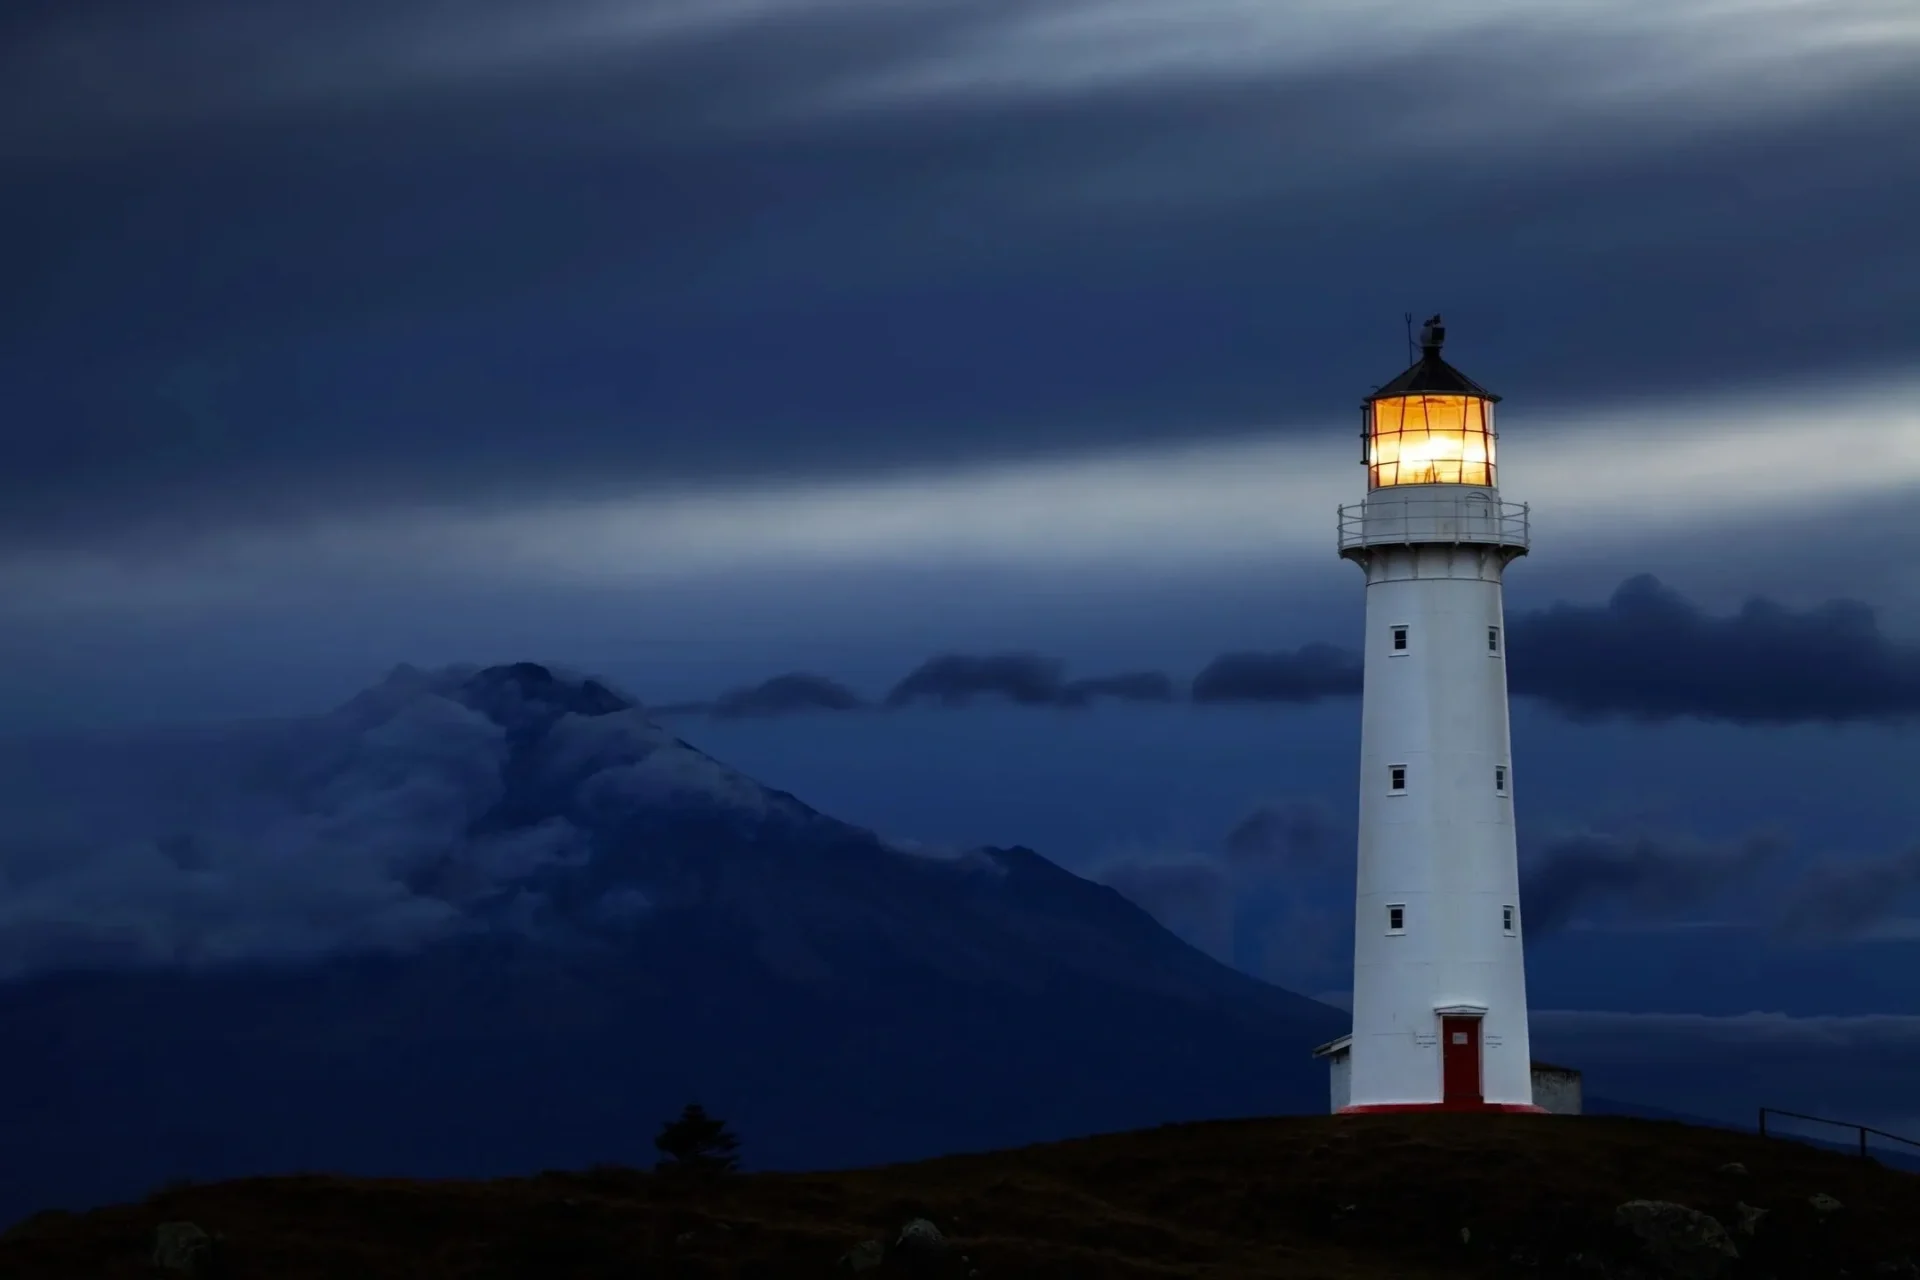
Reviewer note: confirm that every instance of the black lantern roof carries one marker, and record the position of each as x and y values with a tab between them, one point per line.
1430	375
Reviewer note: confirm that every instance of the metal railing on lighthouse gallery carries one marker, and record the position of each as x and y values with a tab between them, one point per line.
1386	518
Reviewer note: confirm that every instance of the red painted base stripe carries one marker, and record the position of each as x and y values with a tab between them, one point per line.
1384	1107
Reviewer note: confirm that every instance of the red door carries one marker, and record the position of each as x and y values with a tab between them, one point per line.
1460	1060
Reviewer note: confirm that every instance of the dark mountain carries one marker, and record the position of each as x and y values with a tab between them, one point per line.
547	923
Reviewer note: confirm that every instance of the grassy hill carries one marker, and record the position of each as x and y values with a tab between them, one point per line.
1314	1196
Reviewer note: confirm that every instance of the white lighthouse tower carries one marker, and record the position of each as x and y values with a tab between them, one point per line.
1439	988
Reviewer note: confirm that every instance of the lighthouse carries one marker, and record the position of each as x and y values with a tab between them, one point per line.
1439	986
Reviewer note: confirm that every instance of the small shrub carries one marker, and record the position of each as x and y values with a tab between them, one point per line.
697	1144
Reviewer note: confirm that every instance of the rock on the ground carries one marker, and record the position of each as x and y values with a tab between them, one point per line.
1823	1204
919	1235
1681	1243
863	1257
182	1248
1749	1218
919	1249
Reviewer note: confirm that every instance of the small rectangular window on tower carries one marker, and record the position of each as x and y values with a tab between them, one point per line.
1396	779
1396	918
1499	779
1399	639
1493	639
1506	919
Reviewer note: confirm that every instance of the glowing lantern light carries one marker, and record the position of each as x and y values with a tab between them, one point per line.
1431	425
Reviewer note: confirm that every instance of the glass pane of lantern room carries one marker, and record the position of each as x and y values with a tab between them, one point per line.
1385	451
1477	459
1431	439
1442	419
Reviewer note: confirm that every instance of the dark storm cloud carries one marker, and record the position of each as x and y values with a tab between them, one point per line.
1259	900
1025	679
303	258
1651	654
1291	834
1306	674
1652	875
1843	898
950	680
1647	653
784	694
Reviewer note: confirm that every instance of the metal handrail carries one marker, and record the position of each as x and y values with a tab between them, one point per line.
1841	1124
1388	517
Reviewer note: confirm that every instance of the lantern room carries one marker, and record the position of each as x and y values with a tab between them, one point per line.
1431	425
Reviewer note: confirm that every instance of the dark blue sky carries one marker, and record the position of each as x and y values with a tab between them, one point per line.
698	343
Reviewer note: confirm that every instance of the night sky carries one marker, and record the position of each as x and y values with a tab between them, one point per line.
942	408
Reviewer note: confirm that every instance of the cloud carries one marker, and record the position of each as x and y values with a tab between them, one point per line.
985	52
1852	897
1289	834
1025	679
403	817
602	251
206	65
1647	654
1822	898
1606	487
1650	654
1260	900
1650	874
1260	917
1306	674
785	694
318	855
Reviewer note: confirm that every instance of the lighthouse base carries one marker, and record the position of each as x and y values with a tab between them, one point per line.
1394	1108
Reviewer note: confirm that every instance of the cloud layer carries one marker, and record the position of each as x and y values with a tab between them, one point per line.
1649	654
1646	654
1656	878
1259	897
432	804
403	257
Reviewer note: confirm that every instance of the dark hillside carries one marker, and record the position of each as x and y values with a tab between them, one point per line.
1382	1196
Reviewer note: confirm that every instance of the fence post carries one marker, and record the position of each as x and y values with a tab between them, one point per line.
1763	1122
1863	1142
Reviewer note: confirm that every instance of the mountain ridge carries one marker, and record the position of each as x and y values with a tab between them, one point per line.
560	922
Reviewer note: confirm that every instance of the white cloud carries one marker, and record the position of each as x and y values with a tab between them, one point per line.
1728	55
1898	929
351	831
93	70
1579	60
1631	479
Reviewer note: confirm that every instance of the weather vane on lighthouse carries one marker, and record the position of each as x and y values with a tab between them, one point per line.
1439	986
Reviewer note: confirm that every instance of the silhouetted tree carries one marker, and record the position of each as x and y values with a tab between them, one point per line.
696	1143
